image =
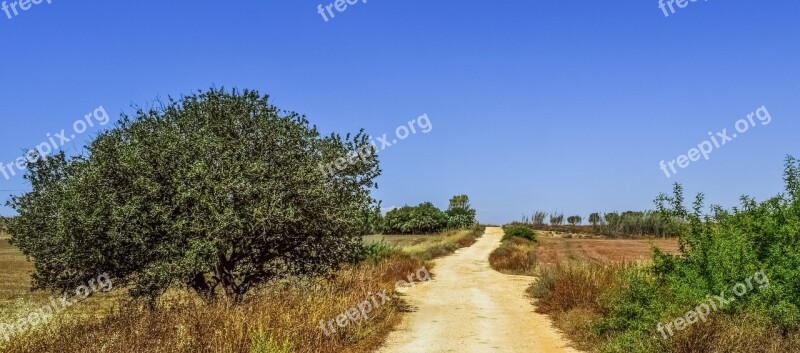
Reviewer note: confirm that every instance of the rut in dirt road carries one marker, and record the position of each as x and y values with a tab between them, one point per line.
469	307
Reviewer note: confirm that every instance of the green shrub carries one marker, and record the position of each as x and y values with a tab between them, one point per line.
718	250
426	218
377	251
521	231
422	219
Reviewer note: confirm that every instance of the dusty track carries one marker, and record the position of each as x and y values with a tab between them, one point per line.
469	307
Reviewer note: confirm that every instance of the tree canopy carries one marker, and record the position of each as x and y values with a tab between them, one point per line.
219	189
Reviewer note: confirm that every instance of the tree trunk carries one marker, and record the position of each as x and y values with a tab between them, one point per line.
203	289
233	291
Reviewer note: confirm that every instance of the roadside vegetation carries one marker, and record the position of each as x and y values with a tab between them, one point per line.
516	256
517	253
628	308
427	247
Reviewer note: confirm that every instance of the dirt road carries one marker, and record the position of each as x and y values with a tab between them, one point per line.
469	307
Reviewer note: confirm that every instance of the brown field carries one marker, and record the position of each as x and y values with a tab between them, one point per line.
552	250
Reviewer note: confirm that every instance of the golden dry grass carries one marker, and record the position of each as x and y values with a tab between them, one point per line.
17	300
286	315
516	256
431	246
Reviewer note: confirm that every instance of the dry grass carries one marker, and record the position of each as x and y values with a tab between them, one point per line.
429	247
516	256
737	333
17	300
290	313
284	318
570	295
572	286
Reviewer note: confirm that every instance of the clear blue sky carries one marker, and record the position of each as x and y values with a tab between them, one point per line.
552	105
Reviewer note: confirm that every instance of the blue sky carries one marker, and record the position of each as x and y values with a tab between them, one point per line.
551	105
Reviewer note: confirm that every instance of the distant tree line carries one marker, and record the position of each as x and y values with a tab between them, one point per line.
427	218
630	223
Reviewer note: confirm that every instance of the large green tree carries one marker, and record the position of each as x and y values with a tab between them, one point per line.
219	191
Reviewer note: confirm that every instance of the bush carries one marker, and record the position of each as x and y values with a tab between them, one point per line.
516	256
460	213
422	219
521	231
727	247
426	218
719	250
378	251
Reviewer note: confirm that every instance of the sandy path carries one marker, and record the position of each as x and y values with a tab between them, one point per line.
469	307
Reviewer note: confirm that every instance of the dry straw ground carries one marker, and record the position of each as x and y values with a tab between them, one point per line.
283	318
